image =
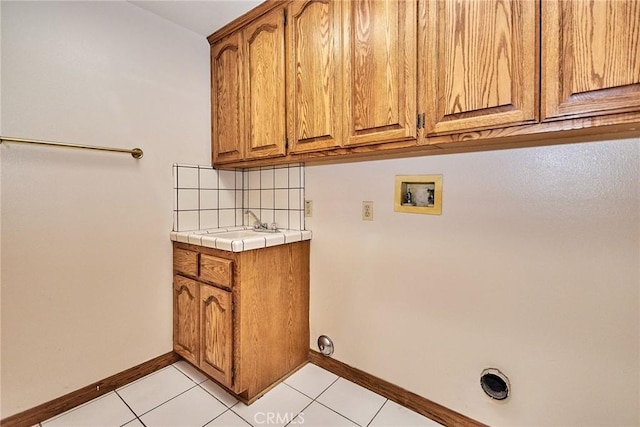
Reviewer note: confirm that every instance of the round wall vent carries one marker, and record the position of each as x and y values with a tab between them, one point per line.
495	384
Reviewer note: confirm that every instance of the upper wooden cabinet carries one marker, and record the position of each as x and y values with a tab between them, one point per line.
478	64
314	83
265	85
591	57
306	80
227	96
379	50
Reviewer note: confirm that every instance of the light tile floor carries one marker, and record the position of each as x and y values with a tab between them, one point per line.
180	395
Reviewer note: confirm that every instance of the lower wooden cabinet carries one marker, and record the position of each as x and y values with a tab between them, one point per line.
186	323
216	333
247	325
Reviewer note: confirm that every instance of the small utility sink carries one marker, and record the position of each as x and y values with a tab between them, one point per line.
239	234
239	239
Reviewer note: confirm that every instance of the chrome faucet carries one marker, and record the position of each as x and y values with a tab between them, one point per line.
262	226
257	224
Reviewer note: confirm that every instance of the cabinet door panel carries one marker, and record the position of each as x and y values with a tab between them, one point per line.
478	64
380	70
265	86
315	71
185	318
591	57
227	100
217	333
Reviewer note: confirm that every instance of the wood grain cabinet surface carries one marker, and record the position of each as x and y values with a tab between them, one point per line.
227	99
216	334
248	91
314	83
380	75
479	64
591	57
373	78
186	321
247	324
265	85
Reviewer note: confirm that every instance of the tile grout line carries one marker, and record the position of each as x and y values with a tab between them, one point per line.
336	412
218	416
374	417
169	400
323	390
300	412
288	198
221	402
320	403
132	411
260	192
235	178
303	220
140	379
240	416
177	198
218	198
185	374
333	410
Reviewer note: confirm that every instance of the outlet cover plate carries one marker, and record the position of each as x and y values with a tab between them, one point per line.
308	208
367	211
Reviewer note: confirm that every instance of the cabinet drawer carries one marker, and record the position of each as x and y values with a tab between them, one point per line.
185	261
216	270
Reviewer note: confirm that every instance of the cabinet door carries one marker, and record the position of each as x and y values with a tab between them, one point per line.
265	86
314	75
227	109
217	334
479	66
379	49
186	324
591	57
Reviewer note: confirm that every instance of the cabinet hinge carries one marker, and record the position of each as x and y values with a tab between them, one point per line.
285	18
286	143
420	122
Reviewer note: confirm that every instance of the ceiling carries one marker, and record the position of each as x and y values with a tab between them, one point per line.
202	17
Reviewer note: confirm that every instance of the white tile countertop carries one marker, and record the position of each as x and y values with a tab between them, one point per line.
215	238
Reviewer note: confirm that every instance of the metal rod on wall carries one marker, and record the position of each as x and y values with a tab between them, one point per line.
136	153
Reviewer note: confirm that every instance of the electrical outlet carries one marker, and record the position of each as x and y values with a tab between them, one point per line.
367	211
308	208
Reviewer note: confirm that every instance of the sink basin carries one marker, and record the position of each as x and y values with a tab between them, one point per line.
238	234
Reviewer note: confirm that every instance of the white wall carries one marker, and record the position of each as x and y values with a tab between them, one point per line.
532	268
86	256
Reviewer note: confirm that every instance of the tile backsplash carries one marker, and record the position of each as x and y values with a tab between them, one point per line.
205	197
